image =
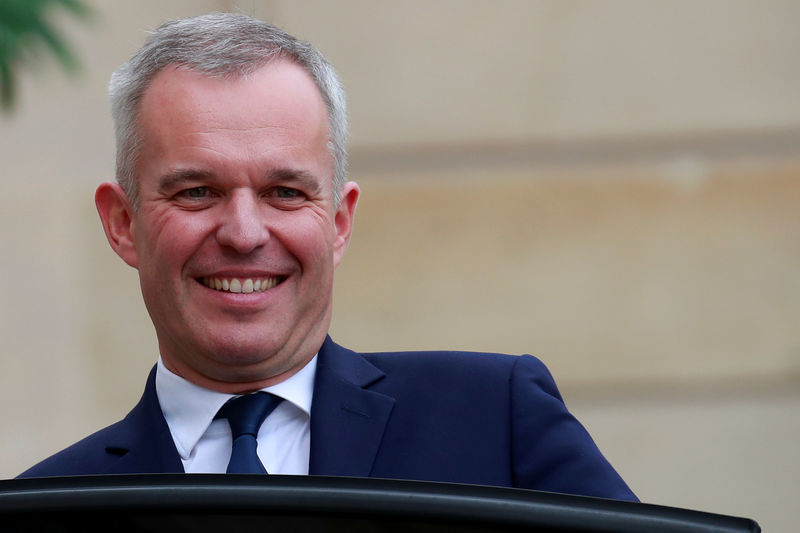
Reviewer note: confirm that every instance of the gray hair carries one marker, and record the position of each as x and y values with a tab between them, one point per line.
218	45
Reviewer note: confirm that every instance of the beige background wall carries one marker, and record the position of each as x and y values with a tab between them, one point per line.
610	185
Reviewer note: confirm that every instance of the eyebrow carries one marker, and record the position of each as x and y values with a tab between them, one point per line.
302	177
180	176
177	177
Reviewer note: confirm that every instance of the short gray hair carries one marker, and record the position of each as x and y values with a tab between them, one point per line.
218	45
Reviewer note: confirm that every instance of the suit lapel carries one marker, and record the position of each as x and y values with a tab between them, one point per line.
347	420
143	442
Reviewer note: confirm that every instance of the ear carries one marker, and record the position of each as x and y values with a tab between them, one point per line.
343	220
116	214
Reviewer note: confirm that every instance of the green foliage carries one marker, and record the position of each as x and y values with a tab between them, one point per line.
24	31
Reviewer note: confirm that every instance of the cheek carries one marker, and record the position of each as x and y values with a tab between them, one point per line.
166	242
310	239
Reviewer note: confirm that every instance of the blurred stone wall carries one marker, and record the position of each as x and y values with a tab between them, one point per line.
611	186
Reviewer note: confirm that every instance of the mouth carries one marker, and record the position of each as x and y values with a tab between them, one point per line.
241	285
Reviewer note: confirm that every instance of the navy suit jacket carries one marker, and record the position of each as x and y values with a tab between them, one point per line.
458	417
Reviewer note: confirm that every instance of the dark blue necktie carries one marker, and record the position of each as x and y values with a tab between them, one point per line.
245	415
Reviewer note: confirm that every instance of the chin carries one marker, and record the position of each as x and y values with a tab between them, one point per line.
242	354
243	366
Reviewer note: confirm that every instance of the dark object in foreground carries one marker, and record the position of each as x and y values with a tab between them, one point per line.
214	503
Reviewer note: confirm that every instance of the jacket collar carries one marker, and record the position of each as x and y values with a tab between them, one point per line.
347	422
347	419
144	443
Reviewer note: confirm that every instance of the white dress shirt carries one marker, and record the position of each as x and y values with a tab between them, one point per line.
204	444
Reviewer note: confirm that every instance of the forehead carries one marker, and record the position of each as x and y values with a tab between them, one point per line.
280	89
276	106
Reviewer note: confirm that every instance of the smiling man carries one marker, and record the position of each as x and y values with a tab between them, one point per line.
236	230
231	202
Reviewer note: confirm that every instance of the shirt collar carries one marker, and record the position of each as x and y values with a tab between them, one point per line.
189	409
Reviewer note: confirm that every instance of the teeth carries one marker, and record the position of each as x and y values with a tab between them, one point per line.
236	285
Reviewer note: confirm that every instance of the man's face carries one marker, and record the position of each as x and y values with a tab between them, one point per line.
236	235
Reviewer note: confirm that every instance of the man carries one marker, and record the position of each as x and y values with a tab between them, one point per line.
232	203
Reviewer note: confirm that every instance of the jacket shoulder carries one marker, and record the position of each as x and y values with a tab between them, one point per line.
140	443
460	368
485	361
91	455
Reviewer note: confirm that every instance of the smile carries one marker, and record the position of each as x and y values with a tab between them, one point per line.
237	285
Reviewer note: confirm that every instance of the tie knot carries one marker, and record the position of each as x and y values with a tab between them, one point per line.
245	414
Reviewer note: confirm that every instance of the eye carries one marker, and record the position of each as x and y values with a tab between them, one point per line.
286	193
195	197
284	197
195	193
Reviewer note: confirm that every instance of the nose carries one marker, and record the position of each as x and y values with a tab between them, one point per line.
243	226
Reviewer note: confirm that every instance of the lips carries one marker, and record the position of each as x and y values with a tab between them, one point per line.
241	285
